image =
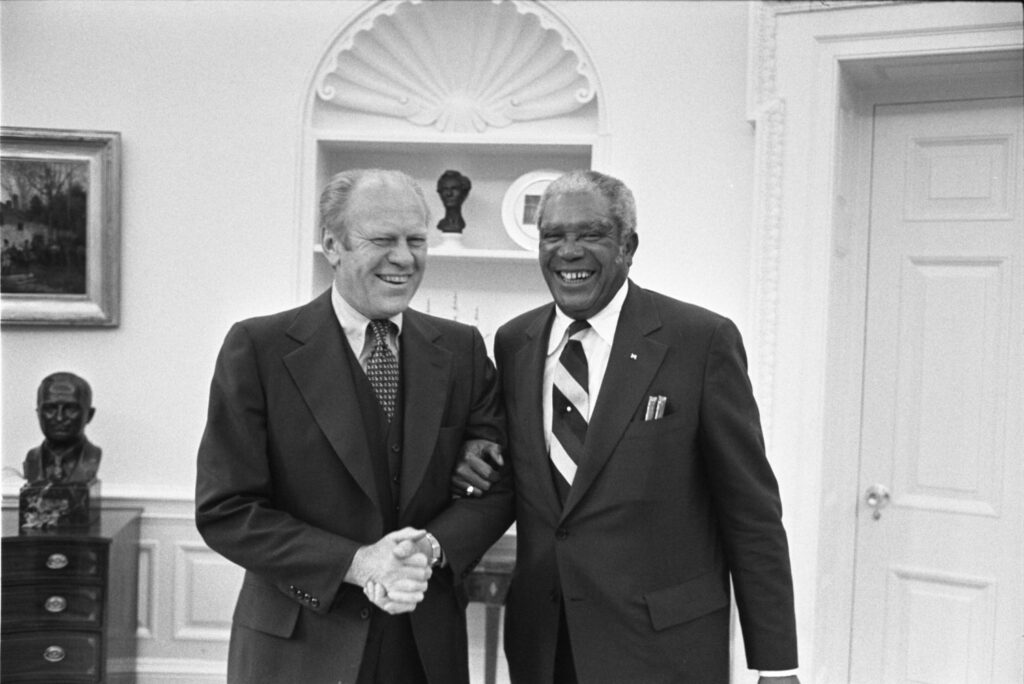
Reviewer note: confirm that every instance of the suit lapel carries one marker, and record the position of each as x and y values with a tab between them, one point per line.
529	381
426	368
324	378
633	363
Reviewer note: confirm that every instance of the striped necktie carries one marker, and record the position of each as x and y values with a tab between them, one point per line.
570	408
382	366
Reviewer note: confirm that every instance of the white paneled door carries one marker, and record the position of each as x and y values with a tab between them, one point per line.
938	579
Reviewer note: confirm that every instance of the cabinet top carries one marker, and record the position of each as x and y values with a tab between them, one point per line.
110	522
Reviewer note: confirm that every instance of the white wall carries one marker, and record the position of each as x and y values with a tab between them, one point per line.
208	98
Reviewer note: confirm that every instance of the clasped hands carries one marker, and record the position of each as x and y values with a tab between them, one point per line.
394	571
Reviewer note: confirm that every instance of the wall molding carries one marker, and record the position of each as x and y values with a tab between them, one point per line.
180	671
766	112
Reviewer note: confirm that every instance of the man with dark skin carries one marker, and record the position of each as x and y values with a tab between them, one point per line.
64	406
642	488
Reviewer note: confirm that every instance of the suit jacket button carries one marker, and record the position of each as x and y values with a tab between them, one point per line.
561	533
364	613
394	448
315	602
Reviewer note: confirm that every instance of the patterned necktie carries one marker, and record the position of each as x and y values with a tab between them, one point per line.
570	407
382	366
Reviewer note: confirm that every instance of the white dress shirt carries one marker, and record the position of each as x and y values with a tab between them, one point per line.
354	325
597	345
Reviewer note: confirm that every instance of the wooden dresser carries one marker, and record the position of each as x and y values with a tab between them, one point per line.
69	605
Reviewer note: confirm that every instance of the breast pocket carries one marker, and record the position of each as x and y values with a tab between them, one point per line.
672	426
652	459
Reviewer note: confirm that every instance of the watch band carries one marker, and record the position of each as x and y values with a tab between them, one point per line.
436	554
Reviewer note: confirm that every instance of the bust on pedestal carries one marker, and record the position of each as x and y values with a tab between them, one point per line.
61	485
453	189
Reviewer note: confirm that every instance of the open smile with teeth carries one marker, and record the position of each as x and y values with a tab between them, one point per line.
574	276
394	279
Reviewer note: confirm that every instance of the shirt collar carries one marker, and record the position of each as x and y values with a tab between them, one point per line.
353	323
603	322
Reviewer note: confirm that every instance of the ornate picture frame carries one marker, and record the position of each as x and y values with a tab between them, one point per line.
519	207
60	217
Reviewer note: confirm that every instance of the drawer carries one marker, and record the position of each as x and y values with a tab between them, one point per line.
48	604
50	656
34	558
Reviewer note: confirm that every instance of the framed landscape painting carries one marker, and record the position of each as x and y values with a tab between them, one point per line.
60	222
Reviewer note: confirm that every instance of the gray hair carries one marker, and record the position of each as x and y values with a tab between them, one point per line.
620	198
335	197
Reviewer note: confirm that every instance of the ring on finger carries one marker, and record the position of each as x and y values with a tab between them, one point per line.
469	490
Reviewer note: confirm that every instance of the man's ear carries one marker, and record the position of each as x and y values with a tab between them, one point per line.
331	246
92	412
629	247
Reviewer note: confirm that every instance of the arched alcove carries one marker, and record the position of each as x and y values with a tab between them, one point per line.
457	67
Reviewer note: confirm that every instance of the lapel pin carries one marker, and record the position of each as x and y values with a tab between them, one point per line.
633	356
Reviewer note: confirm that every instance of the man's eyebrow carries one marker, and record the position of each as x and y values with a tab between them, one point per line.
567	224
579	225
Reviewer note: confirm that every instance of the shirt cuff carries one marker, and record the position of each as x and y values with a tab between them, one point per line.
777	673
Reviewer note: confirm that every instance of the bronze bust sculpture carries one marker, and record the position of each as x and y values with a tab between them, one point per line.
453	188
61	487
64	406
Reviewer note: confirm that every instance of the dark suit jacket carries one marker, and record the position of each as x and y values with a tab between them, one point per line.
285	488
660	514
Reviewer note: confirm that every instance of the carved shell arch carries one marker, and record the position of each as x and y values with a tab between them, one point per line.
457	66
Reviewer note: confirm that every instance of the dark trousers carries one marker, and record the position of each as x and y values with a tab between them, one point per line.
391	655
565	669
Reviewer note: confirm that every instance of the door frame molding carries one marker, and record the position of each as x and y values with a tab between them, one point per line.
812	79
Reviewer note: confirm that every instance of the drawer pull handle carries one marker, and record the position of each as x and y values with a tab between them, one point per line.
57	561
54	654
56	604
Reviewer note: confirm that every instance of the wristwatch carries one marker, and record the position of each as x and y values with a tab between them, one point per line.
436	554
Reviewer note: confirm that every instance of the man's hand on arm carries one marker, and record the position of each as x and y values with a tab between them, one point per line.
478	468
393	572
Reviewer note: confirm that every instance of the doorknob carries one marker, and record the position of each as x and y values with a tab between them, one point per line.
877	497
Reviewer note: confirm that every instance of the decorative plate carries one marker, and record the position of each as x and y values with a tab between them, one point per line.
519	208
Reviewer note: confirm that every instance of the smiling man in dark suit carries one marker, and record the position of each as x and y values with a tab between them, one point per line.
641	479
332	432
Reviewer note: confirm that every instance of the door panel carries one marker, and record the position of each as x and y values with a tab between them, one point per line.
937	591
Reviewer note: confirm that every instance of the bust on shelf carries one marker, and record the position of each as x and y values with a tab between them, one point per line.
61	484
453	189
